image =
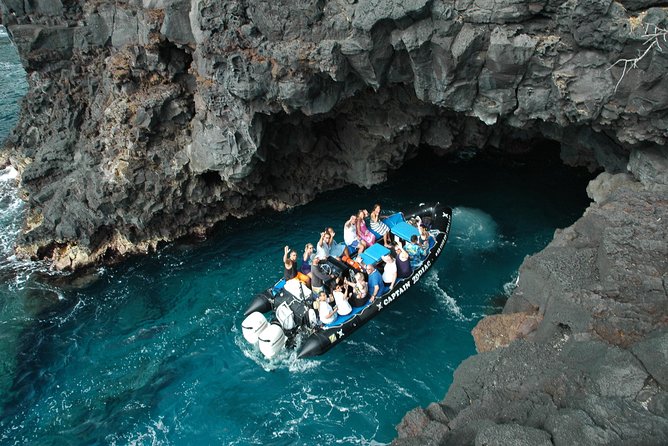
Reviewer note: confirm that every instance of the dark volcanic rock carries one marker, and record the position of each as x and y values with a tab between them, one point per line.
147	120
594	370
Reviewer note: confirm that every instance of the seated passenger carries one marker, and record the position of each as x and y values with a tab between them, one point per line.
360	296
325	311
318	276
341	297
416	251
390	270
306	258
350	237
426	240
378	226
336	249
403	261
363	233
376	285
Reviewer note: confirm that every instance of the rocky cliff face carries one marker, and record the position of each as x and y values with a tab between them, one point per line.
589	321
147	120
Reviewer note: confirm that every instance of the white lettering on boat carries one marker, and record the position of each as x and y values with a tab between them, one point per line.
421	271
399	291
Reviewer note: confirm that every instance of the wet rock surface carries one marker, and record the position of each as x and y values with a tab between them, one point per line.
148	120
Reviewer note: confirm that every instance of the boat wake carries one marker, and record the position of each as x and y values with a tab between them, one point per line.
285	359
431	283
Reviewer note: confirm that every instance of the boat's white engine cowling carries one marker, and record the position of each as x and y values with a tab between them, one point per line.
254	324
312	318
272	340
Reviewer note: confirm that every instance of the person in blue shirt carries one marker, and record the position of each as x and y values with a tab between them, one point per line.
376	285
416	251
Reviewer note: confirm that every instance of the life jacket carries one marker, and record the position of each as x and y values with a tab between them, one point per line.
353	264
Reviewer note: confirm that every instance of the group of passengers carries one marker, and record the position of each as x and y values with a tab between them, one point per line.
369	282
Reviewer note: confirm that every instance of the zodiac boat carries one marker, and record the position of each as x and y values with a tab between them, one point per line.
290	303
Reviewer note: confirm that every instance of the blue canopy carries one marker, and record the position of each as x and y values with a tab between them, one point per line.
373	253
405	230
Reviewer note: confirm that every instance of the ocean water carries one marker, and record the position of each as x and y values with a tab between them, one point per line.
151	351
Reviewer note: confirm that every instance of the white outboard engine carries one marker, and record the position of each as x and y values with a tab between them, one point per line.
272	340
312	318
254	324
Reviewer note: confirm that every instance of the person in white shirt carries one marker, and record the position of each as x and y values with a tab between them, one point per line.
350	236
324	245
325	311
390	271
341	298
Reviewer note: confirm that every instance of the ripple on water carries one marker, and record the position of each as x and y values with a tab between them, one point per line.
431	283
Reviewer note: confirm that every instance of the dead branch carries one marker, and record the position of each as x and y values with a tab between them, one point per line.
653	37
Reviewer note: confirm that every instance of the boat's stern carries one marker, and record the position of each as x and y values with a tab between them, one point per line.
261	303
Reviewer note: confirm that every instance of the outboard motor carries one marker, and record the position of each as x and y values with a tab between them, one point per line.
312	318
272	340
253	325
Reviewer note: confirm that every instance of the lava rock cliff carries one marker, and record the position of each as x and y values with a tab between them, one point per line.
147	120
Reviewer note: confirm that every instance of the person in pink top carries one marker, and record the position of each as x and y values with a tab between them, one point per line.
363	232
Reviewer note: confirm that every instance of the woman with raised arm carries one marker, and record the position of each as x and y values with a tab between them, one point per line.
306	259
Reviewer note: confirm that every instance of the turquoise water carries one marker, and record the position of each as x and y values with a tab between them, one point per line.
152	352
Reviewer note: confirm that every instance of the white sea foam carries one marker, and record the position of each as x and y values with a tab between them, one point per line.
73	312
285	359
11	221
154	434
11	207
430	281
398	389
8	173
509	287
475	228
